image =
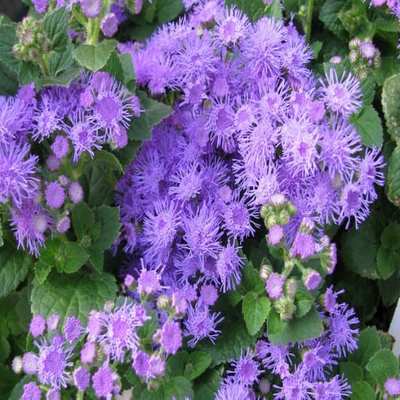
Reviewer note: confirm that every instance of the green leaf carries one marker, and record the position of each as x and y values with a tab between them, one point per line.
351	371
108	218
7	382
99	178
114	67
304	301
383	365
197	363
255	311
390	237
128	71
229	345
368	344
391	106
168	11
389	290
296	330
369	126
387	261
83	219
178	388
329	15
75	294
17	392
75	257
55	24
254	9
362	391
393	178
360	247
206	389
96	57
154	113
14	267
8	38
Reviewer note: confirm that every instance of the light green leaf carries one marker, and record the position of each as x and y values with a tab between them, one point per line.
391	106
393	177
369	126
255	311
387	261
75	294
362	391
383	365
55	24
351	371
368	344
83	220
96	57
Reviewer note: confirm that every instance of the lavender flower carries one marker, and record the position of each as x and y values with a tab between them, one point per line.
91	8
103	381
37	325
232	390
31	391
81	378
392	386
171	337
109	25
55	195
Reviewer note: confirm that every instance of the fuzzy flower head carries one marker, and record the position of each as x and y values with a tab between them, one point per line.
231	27
246	370
17	171
232	390
149	281
103	381
31	391
341	95
171	337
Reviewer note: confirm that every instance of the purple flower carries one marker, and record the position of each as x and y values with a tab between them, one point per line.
274	357
294	387
228	265
312	279
53	363
40	5
53	394
316	361
171	337
231	27
246	370
341	95
109	25
55	195
201	324
103	381
392	386
46	119
53	163
31	391
91	8
119	331
141	364
232	390
63	224
17	170
52	322
94	325
275	235
149	281
29	363
60	147
72	329
75	192
208	295
343	330
37	326
274	285
81	378
88	353
303	246
335	389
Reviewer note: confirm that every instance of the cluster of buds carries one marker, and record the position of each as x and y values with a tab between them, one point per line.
307	258
32	41
364	56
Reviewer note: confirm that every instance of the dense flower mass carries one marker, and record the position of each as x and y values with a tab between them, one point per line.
304	370
251	121
92	112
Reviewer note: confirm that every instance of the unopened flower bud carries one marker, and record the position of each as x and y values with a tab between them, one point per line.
291	287
163	302
17	365
285	308
265	271
264	386
109	306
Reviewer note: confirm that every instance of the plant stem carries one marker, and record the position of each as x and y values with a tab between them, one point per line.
309	17
79	395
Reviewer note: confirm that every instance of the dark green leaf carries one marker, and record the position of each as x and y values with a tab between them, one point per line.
83	219
96	57
304	301
389	290
387	261
75	294
255	311
254	9
362	391
8	38
128	71
114	67
296	330
369	126
197	363
351	371
206	389
154	113
390	237
14	267
393	177
391	107
329	15
168	11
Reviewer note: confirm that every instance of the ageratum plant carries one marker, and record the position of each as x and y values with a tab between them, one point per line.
182	198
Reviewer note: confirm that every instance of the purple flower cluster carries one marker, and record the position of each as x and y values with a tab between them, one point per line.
95	110
393	5
86	355
250	121
303	369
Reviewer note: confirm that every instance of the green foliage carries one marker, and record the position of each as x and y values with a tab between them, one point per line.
94	57
383	365
391	106
255	311
369	126
362	391
393	178
75	294
295	330
154	113
55	25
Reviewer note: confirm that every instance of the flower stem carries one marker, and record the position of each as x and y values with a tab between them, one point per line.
79	395
309	17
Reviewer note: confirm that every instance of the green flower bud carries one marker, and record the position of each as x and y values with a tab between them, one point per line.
291	287
265	271
285	308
